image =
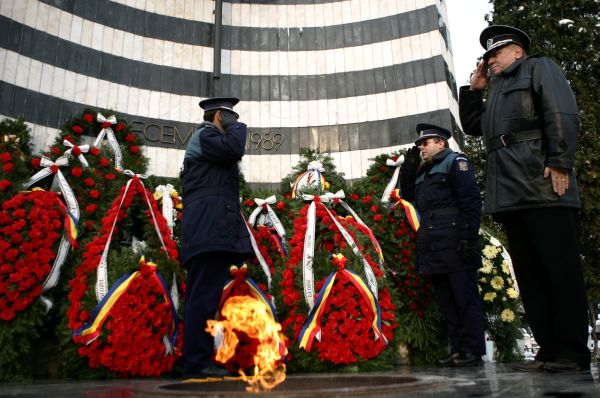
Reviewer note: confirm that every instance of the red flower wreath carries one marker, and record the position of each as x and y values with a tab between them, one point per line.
131	342
346	333
31	223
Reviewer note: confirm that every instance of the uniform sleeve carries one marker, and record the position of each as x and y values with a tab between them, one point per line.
470	108
560	118
468	197
222	148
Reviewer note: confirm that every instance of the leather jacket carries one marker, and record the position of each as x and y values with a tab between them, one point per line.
530	99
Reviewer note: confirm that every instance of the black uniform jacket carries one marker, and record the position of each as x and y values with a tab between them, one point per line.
211	211
531	94
449	202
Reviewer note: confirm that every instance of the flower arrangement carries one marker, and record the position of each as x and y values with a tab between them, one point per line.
31	223
132	339
500	296
14	156
347	336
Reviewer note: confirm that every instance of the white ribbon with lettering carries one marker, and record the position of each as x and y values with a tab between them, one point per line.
264	204
59	184
110	136
77	151
392	184
308	279
371	280
167	204
259	257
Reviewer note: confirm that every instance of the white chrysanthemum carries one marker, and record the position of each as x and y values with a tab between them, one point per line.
512	293
497	283
487	266
490	252
507	315
489	296
505	267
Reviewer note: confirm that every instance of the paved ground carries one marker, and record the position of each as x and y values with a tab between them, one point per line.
491	380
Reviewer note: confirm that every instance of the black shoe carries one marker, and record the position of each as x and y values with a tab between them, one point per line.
529	366
565	366
446	361
211	371
466	359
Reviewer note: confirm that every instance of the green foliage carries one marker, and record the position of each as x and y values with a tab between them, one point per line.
15	154
574	45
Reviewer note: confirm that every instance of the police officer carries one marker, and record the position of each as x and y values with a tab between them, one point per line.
213	232
447	197
530	124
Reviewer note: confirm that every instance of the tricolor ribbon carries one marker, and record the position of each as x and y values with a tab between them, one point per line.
313	176
110	137
312	327
309	243
59	183
411	213
264	205
77	151
394	181
91	330
165	192
255	292
338	198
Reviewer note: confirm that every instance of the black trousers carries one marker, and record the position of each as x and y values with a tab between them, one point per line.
458	299
207	274
544	248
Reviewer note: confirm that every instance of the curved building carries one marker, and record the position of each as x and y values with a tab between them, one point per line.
349	77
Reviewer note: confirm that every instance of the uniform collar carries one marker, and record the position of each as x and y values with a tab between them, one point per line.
441	155
514	66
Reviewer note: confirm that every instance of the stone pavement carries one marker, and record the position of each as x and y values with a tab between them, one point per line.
491	380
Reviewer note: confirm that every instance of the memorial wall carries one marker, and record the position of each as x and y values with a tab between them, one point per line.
348	77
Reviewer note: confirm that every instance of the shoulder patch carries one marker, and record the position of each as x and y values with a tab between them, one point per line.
462	164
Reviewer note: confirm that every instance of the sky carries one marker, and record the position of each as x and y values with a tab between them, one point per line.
465	22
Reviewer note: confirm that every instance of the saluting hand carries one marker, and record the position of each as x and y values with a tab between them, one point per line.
479	78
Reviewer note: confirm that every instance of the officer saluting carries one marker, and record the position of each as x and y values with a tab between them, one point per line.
213	232
447	197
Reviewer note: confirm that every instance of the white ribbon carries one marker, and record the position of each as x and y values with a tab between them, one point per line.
59	183
260	258
102	270
82	148
167	204
265	204
110	136
392	184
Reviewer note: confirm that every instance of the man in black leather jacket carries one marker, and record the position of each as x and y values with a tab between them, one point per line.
530	125
214	235
448	200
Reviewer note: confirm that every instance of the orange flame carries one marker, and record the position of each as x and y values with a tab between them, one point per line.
251	316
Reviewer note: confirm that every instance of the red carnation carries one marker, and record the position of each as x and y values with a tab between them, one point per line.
280	205
374	208
89	182
55	150
354	196
77	129
5	157
94	151
91	208
106	125
94	194
35	163
134	149
375	178
4	185
88	117
76	151
377	217
104	162
110	176
130	137
248	202
8	167
69	138
54	169
120	126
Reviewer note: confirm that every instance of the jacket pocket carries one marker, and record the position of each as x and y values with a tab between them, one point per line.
444	232
517	100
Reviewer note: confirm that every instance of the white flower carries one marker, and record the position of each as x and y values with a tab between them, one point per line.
512	293
487	266
507	315
505	267
490	251
497	283
489	296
